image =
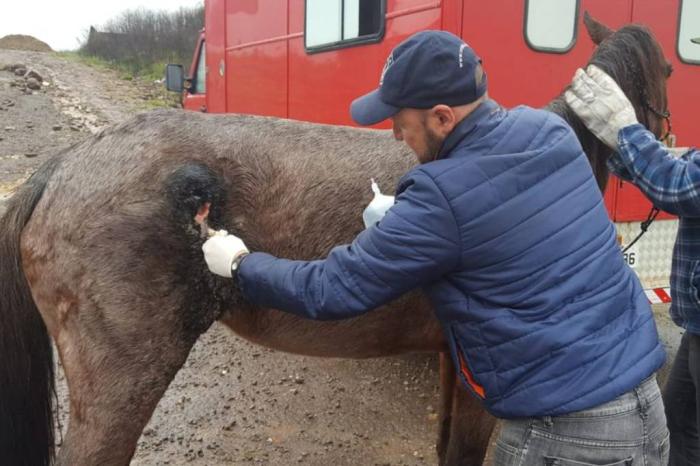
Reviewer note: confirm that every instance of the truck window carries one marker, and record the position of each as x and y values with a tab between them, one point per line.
199	85
689	32
332	24
550	25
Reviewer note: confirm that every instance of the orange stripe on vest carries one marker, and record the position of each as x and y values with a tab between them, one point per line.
478	389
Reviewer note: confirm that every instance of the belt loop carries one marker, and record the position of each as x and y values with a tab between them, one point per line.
548	422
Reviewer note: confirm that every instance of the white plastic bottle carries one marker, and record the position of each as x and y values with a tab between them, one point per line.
376	209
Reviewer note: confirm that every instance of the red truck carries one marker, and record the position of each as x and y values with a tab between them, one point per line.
308	59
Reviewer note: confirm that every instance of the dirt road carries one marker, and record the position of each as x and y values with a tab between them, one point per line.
233	402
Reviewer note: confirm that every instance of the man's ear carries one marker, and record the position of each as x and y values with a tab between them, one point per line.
444	117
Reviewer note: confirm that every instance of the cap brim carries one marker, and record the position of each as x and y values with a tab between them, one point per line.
369	109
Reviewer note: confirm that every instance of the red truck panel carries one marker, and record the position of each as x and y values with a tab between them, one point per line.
256	57
215	22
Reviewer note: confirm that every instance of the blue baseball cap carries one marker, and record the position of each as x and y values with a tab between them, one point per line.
427	69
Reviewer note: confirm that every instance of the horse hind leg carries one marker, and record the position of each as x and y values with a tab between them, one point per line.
117	368
123	320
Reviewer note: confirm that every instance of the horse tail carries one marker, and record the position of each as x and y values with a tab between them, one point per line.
26	355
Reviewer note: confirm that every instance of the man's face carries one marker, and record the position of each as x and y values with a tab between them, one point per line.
413	127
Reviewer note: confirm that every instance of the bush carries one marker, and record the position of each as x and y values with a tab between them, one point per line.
141	40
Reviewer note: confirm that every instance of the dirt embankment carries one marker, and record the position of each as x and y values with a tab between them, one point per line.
22	42
233	402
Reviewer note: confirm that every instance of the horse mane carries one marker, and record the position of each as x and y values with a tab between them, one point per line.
633	58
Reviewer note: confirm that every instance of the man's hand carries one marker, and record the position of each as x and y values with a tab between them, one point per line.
600	103
221	250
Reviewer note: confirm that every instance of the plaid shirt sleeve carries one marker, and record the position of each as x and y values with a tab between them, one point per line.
672	184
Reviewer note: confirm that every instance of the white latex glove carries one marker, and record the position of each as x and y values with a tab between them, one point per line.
221	250
376	209
600	103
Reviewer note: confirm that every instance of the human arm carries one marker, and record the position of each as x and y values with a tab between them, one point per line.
672	184
416	243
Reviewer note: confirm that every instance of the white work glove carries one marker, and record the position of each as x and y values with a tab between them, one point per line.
600	103
221	250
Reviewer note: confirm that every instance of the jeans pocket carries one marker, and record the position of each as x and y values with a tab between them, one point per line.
556	461
505	455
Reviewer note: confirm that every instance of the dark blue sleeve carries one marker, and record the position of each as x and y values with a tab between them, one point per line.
415	243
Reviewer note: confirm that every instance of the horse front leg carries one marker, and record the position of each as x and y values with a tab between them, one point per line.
470	429
447	386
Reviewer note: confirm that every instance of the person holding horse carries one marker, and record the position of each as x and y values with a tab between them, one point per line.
671	184
503	225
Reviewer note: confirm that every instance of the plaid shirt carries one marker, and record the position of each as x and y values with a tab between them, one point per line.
671	184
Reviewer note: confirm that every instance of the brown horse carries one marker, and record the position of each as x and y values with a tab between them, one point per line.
100	252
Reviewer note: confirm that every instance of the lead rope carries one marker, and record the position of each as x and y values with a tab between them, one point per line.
644	226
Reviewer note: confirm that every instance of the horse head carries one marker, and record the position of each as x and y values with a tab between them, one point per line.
634	59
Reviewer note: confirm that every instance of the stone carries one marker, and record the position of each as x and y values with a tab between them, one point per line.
33	84
35	75
20	71
57	127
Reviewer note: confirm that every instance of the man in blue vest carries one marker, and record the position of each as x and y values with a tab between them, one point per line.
672	184
504	227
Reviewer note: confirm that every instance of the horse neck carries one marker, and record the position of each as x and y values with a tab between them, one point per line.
597	152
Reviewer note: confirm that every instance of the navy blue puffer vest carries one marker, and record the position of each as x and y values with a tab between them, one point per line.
544	317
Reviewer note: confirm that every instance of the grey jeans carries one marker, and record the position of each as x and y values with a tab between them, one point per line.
627	431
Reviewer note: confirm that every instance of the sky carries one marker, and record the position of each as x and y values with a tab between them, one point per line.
62	23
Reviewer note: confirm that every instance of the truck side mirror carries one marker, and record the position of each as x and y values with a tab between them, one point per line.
174	78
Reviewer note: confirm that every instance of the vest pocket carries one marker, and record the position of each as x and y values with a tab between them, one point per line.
467	373
555	461
464	369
